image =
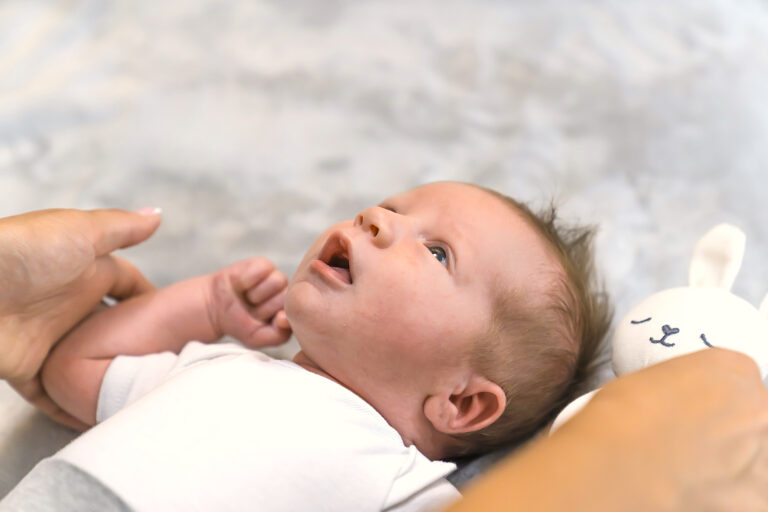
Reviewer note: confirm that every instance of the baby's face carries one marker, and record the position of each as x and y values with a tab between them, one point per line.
394	298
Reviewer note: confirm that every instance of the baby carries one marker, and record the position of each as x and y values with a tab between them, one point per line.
445	321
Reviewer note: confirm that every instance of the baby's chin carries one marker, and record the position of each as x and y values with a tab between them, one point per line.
306	321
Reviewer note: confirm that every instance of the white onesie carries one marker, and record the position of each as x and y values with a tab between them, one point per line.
220	427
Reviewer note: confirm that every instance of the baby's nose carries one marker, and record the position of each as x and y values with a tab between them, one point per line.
366	225
374	221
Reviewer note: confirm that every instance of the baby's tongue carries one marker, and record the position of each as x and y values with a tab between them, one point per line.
343	274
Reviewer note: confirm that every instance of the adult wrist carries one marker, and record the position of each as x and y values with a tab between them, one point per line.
612	463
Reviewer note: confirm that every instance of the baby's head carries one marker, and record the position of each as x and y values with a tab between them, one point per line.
456	313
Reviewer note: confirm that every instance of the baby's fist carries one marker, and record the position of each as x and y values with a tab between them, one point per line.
247	303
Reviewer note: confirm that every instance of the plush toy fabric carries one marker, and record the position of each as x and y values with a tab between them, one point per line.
681	320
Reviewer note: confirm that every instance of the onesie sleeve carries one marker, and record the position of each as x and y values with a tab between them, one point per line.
420	485
128	378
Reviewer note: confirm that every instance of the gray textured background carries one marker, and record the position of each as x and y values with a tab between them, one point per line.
254	125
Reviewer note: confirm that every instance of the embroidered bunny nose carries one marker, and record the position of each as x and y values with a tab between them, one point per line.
668	331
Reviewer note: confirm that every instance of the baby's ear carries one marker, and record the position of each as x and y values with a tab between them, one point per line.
479	404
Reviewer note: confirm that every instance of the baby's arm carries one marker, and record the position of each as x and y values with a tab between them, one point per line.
242	300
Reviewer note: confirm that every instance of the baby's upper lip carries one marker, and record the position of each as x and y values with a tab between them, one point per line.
337	251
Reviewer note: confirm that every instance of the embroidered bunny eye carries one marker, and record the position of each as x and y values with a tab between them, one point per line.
704	339
635	322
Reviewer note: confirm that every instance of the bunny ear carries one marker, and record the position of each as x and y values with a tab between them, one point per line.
717	257
764	307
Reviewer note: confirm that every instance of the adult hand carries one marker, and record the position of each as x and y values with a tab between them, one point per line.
686	435
54	269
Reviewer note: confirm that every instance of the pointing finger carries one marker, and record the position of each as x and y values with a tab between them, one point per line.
117	229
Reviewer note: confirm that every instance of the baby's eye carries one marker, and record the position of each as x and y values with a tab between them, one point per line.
439	253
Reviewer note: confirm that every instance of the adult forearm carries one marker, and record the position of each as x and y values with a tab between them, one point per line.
575	470
684	435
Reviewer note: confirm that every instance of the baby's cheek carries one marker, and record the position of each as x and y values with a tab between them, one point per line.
288	303
298	305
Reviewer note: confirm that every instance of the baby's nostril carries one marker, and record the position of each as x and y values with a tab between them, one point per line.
374	230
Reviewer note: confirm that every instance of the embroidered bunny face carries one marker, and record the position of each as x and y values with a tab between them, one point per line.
702	315
682	320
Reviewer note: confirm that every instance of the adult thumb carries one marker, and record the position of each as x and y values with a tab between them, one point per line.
112	229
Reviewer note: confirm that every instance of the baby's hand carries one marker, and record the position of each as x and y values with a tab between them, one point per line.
246	302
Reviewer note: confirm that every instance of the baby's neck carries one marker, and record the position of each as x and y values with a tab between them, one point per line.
429	442
305	362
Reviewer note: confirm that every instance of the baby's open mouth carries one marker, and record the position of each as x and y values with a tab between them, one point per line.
335	254
340	265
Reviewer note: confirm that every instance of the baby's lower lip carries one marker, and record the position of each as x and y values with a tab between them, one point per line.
335	276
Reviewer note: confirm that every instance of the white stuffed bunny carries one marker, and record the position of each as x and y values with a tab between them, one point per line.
682	320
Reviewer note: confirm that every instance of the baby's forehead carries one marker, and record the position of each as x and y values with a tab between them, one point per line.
469	203
448	190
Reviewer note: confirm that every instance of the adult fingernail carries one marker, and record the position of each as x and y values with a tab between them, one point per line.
149	210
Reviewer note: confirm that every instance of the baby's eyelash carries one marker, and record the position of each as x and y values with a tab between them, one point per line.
387	207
